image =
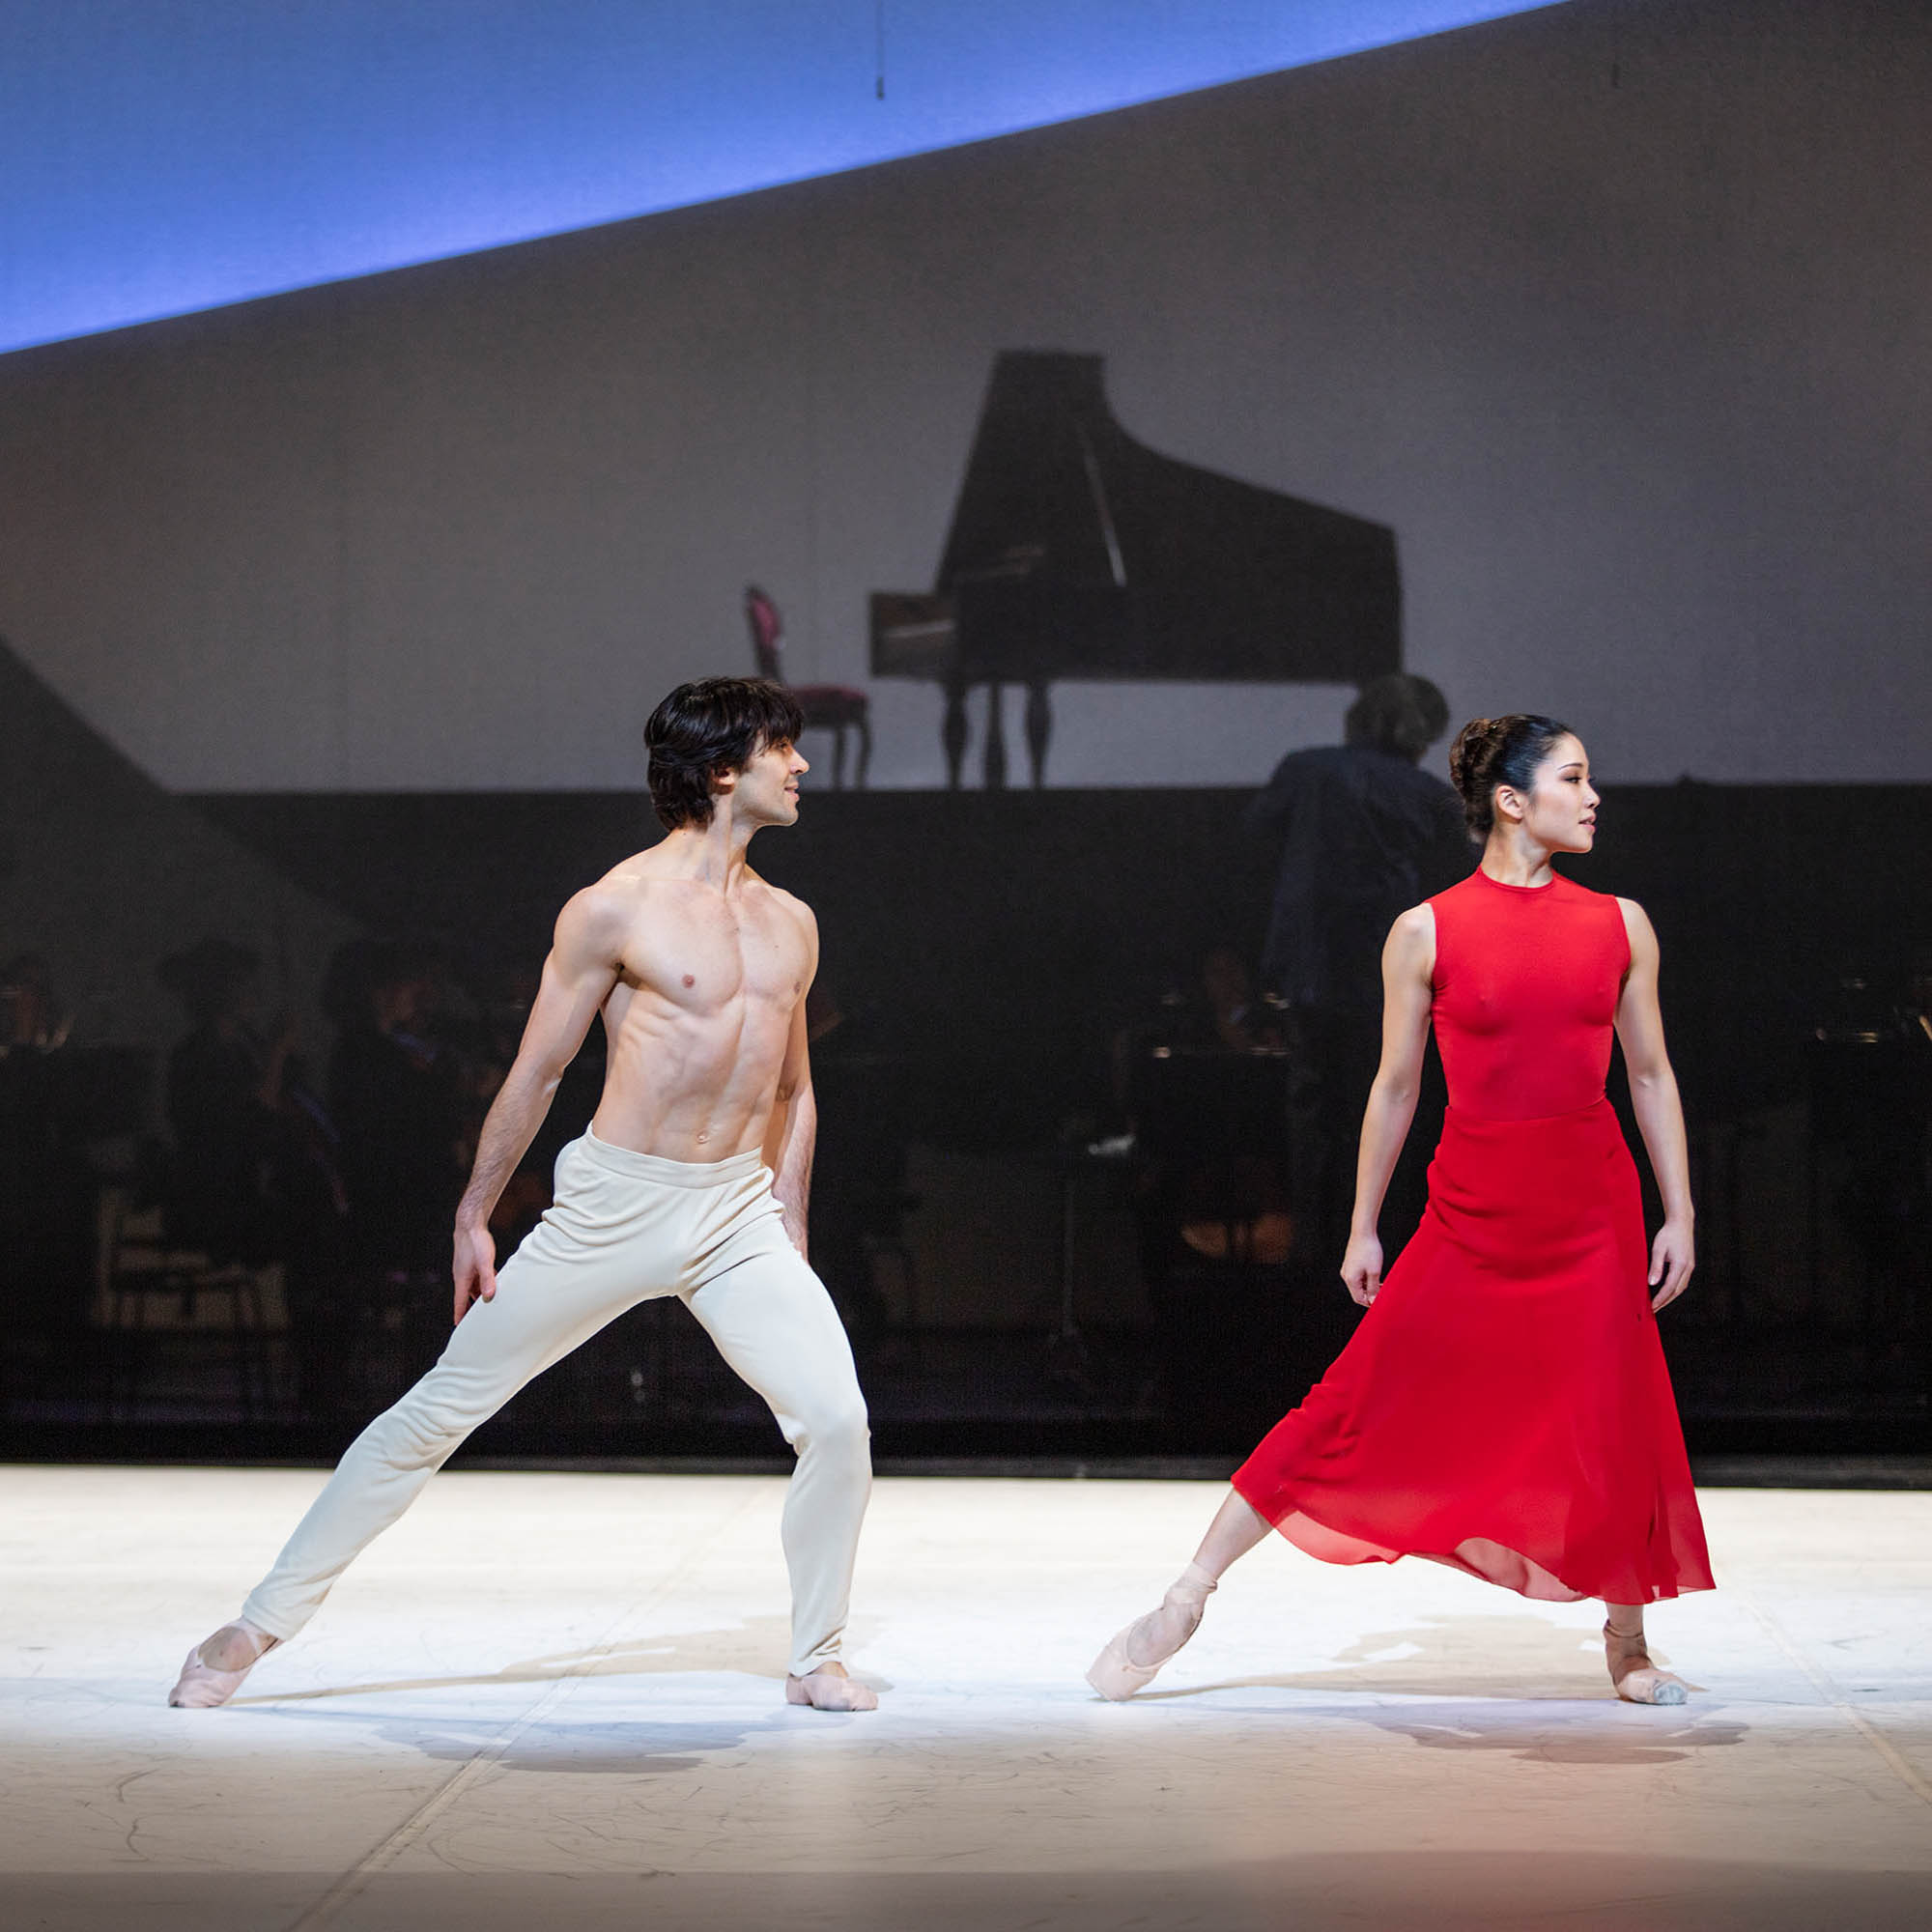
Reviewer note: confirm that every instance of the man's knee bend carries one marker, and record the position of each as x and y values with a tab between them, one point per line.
841	1432
422	1429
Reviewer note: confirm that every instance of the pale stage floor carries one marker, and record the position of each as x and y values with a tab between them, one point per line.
552	1700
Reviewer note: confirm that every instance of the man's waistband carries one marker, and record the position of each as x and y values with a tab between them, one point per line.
660	1172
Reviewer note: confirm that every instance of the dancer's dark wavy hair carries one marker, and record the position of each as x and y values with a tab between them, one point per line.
1493	751
714	725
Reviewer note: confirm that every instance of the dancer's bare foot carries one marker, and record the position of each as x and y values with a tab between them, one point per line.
829	1688
1637	1680
214	1668
1134	1654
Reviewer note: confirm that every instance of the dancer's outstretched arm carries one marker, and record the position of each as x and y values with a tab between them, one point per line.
585	960
1409	960
1659	1111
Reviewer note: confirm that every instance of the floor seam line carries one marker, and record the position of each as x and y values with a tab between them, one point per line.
1900	1767
346	1888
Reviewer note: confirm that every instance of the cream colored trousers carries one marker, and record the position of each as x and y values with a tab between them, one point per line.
625	1227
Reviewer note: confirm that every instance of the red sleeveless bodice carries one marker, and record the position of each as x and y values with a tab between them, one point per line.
1527	979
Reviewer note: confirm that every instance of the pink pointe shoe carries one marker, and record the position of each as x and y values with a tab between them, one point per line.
1637	1680
202	1688
831	1690
1156	1636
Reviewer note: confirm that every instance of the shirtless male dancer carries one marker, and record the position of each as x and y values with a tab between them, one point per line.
691	1181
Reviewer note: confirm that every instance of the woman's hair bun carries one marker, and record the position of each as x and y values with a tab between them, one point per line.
1476	743
1493	751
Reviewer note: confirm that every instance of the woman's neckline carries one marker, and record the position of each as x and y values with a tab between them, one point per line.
1524	892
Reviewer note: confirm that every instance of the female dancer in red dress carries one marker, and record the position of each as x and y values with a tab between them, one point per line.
1504	1405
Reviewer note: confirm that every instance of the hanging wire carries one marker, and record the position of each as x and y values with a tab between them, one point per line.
879	48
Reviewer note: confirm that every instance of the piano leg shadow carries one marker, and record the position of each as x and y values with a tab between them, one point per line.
957	733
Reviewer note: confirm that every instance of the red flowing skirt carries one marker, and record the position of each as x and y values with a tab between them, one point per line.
1503	1406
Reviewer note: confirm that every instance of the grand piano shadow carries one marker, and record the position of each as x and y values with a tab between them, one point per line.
1076	553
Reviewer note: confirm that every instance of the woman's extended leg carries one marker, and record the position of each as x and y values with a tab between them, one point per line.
1637	1680
1134	1654
1236	1529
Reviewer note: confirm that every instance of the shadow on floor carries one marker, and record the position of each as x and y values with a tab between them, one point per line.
1507	1656
1521	1683
754	1648
600	1744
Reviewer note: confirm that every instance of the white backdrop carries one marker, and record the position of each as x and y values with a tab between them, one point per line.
1617	313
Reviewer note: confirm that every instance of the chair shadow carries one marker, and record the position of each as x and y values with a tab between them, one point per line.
746	1649
1521	1683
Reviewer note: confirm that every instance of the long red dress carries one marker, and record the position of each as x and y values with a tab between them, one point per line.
1504	1405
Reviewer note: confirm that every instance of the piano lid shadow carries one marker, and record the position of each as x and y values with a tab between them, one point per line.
1076	553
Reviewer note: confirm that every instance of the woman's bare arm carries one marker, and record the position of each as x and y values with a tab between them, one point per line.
1409	961
584	963
1660	1113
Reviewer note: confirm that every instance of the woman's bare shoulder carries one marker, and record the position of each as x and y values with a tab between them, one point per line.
1639	931
1411	947
1416	927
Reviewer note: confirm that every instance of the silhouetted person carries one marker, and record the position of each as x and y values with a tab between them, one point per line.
252	1178
46	1208
225	1108
395	1095
32	1020
1362	834
1200	1081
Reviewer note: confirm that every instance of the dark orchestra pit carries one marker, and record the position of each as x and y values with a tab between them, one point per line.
1029	1268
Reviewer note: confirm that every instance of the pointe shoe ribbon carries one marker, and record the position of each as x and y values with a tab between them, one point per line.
827	1691
1115	1674
1637	1680
203	1688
